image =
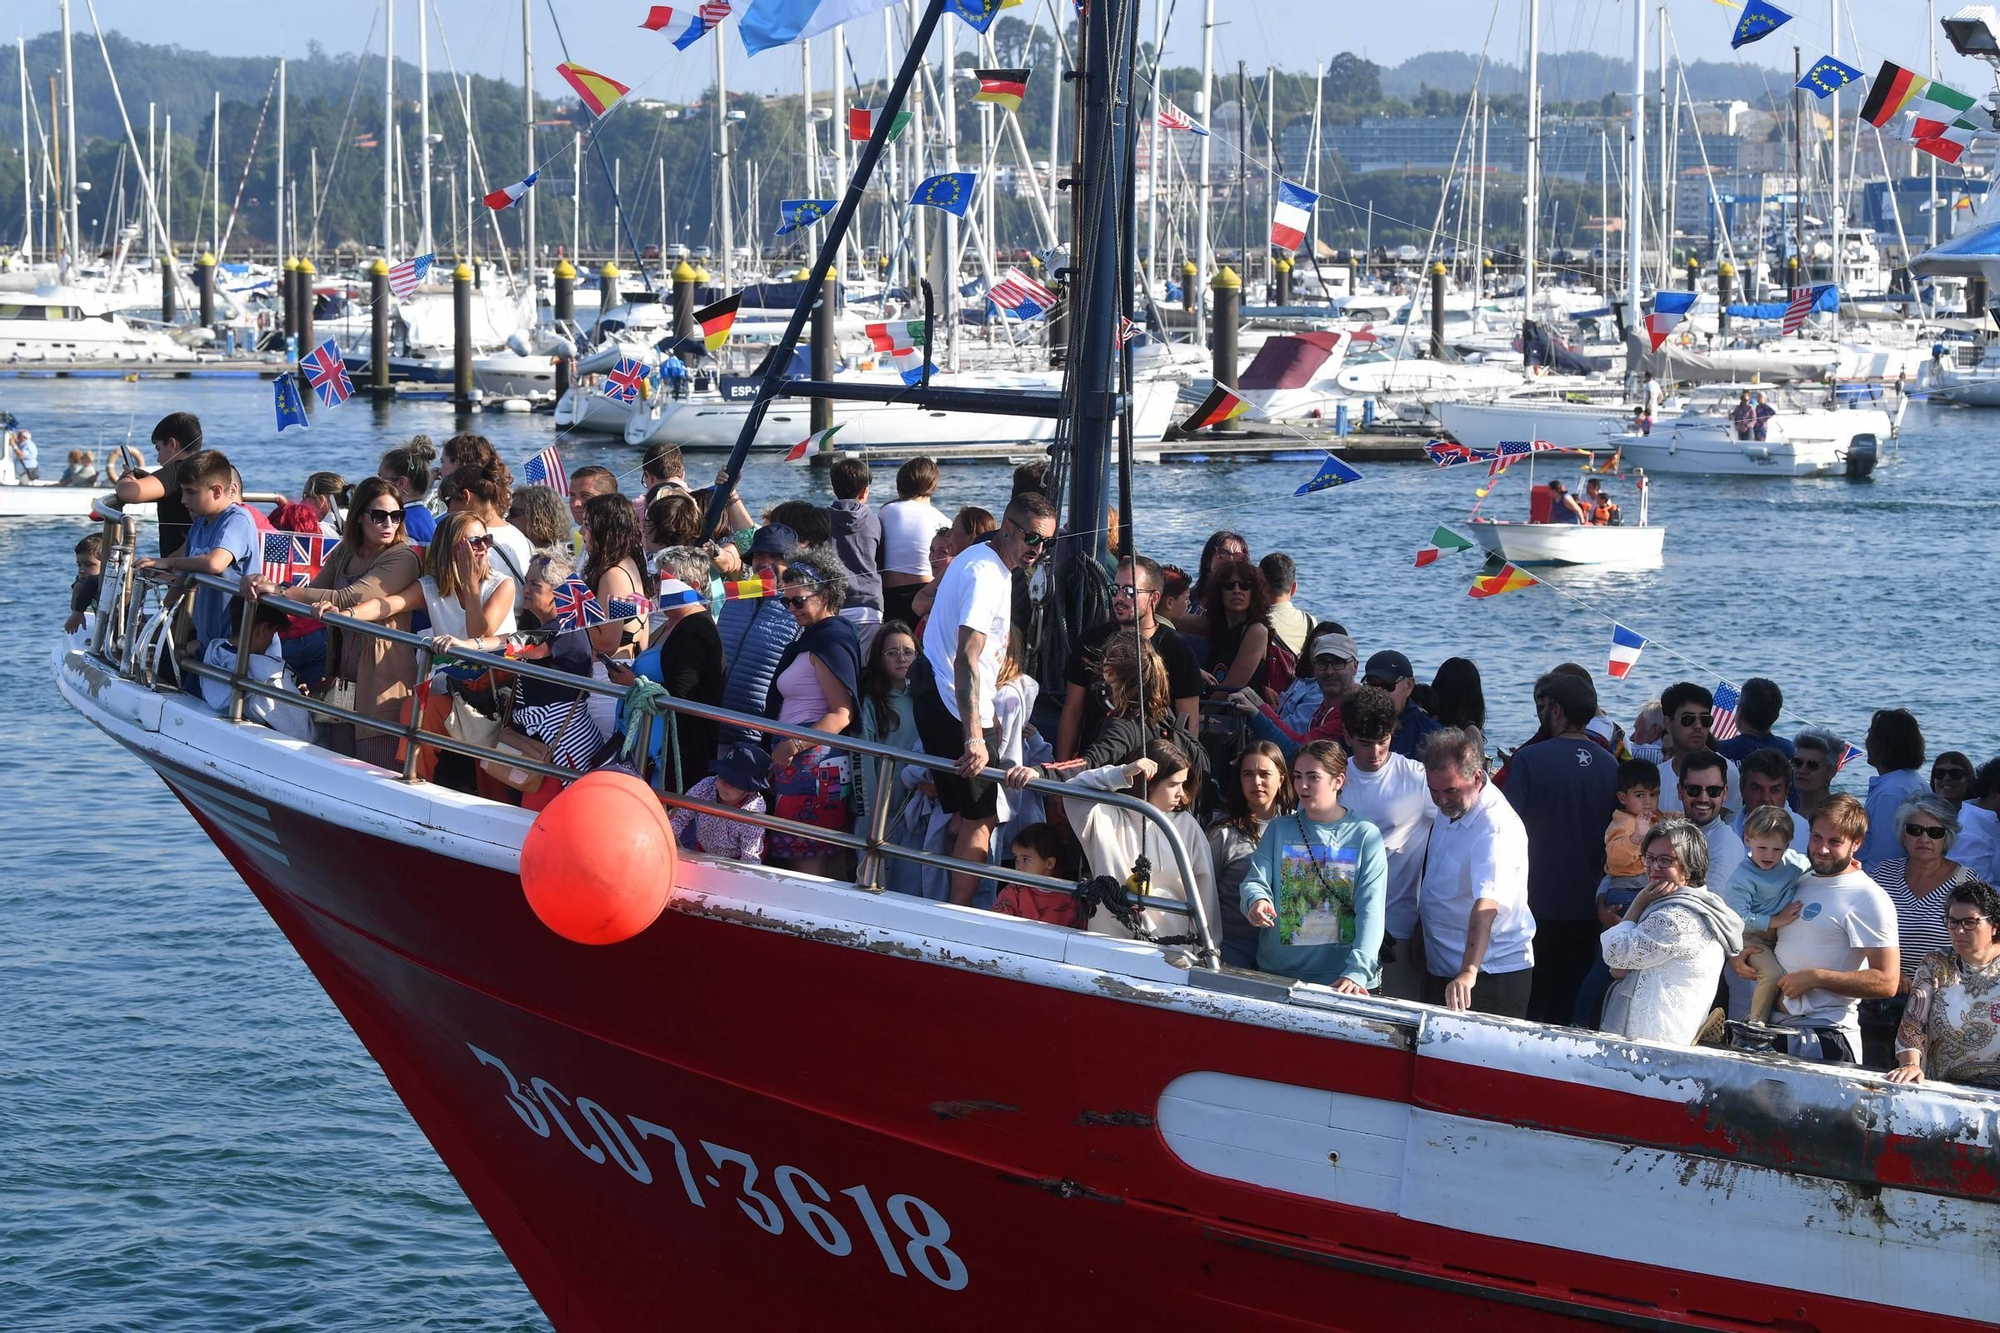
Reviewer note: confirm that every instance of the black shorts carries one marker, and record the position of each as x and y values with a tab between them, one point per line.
944	736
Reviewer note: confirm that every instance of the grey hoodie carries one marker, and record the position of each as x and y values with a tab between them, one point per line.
857	540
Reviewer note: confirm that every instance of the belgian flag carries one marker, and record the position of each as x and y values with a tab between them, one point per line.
1003	86
1221	405
716	320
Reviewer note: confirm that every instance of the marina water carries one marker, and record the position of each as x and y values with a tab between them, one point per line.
195	1140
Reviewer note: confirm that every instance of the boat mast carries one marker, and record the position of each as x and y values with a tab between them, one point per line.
1534	191
1666	152
1798	167
280	192
1153	268
425	238
1635	139
1930	11
1479	212
27	161
1319	100
1203	260
1271	176
722	165
72	198
528	137
215	177
1833	165
837	127
389	132
947	262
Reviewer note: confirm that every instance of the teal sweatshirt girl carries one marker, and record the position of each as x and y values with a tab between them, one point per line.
1328	883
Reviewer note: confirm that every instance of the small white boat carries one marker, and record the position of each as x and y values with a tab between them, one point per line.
49	499
1800	442
1538	414
1631	545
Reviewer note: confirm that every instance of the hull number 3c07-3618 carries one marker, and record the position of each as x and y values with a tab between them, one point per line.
923	1244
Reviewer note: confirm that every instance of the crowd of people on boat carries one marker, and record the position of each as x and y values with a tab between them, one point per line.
1344	822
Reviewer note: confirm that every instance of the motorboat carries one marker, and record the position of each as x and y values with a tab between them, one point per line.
1977	385
56	326
1800	441
1537	541
1572	416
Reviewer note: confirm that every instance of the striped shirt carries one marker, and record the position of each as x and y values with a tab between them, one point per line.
1920	927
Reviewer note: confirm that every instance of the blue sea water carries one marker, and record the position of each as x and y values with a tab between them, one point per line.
192	1139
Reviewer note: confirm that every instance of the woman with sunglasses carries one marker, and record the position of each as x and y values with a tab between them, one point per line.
1948	1030
369	675
1239	629
816	685
1951	777
1921	880
487	492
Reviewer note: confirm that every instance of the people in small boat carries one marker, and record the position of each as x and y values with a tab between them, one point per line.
1599	506
1563	506
1947	1031
82	469
1764	413
25	454
1744	418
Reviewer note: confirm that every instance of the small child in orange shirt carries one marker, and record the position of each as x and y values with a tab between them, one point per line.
1040	849
1638	811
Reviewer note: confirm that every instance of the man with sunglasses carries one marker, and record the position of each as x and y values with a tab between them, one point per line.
1702	794
952	685
1689	711
1978	845
1135	599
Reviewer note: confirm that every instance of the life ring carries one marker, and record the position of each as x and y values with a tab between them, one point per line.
116	466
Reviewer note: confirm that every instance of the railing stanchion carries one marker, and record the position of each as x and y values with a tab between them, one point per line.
870	877
411	728
242	667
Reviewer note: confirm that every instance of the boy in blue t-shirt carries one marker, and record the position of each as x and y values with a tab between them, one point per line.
223	539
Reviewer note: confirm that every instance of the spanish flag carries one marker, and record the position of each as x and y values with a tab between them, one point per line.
1508	578
1221	405
599	92
715	321
742	590
1004	86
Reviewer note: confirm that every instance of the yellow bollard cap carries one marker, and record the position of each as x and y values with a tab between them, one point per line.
1225	280
684	272
565	269
610	270
463	273
379	269
306	267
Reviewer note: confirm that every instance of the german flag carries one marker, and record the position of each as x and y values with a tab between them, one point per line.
1221	405
1005	87
715	321
599	92
1894	88
1508	578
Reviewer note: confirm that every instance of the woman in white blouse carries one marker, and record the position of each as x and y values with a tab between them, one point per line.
1669	950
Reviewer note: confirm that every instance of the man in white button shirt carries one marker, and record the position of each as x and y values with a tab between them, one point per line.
1478	932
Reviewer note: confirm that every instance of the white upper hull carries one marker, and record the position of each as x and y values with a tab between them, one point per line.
1810	443
1483	425
1571	543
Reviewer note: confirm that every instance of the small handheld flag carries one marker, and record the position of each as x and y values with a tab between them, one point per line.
1443	539
743	590
404	277
1332	472
1221	405
290	404
1509	577
1847	756
294	557
597	91
577	606
1002	87
1291	215
1173	118
948	190
978	14
328	374
716	321
622	384
1828	76
509	195
1760	19
796	213
1669	308
1626	645
1726	702
674	593
546	469
861	124
814	443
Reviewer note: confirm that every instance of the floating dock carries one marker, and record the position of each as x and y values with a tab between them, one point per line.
1206	447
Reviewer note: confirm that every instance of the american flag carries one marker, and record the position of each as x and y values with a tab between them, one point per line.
294	557
1173	118
546	469
1796	312
328	374
623	381
1726	700
404	277
1017	287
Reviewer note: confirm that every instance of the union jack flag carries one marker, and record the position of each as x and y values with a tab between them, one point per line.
1450	453
1127	330
546	469
1726	699
404	277
294	557
327	374
577	606
1016	288
623	381
1796	312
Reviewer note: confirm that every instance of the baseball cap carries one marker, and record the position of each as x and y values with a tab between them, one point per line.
1333	641
775	539
1388	665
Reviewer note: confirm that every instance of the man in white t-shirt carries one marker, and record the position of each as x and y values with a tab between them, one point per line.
1836	942
1388	790
951	690
1688	711
1702	792
1478	932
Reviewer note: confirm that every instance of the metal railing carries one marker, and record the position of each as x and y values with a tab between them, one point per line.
123	628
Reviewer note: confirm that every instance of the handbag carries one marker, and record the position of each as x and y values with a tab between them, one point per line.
523	746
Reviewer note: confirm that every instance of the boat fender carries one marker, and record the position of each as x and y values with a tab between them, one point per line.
517	344
598	864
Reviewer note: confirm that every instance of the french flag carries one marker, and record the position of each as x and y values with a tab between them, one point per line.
1625	648
685	25
1669	309
1291	215
509	195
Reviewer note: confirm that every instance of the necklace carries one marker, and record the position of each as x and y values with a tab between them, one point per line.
1312	856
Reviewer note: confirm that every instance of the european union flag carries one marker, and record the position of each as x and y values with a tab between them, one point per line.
950	190
978	13
796	213
1759	20
1331	473
290	404
1828	76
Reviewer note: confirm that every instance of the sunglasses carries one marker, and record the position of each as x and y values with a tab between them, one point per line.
1923	831
384	515
481	542
1132	591
1697	719
797	602
1696	789
1808	764
1034	541
1949	774
1964	922
1236	585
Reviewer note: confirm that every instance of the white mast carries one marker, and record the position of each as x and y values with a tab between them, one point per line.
576	197
1930	8
722	166
1202	260
528	136
1635	139
1666	151
424	238
948	298
166	179
27	161
1534	160
281	164
152	171
1319	100
1271	176
1479	227
1833	163
1055	105
389	132
839	129
69	140
1153	265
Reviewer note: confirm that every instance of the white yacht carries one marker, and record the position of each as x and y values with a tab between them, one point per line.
58	326
1801	440
1585	415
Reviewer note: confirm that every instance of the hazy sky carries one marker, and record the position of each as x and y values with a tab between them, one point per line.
485	35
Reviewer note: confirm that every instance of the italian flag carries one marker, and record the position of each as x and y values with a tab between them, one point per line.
1221	405
716	321
861	124
1938	109
1442	540
1508	578
896	333
814	443
1949	145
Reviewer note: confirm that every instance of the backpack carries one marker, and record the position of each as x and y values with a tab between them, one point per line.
1281	667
